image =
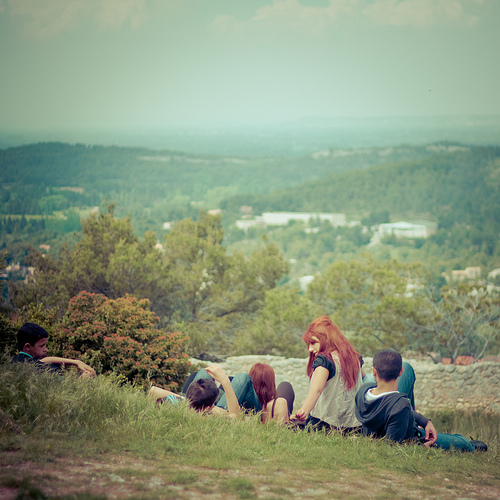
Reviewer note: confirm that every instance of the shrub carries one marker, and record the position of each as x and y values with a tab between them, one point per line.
119	336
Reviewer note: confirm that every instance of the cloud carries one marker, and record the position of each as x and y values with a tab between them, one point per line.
296	16
46	19
418	13
291	15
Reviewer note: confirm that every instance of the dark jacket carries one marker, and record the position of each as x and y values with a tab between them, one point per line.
22	357
390	416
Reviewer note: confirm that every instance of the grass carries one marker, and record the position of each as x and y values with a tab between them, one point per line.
98	439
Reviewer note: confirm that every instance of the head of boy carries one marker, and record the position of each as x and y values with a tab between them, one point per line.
202	394
388	364
32	339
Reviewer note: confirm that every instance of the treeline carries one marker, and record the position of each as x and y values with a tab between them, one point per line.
97	296
454	187
193	284
459	190
152	187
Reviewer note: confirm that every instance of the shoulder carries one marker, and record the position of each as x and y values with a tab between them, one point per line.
396	403
325	362
22	358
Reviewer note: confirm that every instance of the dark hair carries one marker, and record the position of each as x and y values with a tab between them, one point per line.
331	339
202	393
264	382
30	333
388	364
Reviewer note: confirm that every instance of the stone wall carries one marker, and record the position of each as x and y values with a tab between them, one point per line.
472	387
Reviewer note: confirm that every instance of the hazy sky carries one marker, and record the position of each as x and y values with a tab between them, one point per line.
156	63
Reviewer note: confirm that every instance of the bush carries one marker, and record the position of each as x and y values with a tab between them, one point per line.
119	336
8	339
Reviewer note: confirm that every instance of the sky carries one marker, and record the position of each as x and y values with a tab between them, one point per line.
131	64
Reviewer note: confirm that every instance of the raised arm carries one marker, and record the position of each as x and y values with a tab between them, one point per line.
158	392
319	378
84	369
219	375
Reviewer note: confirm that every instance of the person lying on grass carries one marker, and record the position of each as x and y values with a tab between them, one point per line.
203	393
385	412
32	344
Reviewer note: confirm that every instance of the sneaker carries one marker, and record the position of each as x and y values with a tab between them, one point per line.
479	445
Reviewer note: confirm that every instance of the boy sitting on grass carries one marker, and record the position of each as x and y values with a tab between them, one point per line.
32	344
203	393
385	412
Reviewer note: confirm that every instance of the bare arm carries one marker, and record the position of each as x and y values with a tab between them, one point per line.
319	378
158	392
219	375
83	368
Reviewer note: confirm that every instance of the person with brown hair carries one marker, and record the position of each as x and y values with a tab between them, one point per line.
334	370
276	402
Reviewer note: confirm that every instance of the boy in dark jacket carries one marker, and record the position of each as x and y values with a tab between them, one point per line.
384	412
32	343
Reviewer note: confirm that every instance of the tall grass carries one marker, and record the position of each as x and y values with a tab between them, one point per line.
42	415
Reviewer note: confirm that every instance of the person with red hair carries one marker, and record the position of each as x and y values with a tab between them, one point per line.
334	370
277	403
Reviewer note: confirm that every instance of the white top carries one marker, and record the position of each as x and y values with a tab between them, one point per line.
336	404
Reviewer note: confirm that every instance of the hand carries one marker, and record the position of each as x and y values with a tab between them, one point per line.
217	373
86	371
301	414
430	434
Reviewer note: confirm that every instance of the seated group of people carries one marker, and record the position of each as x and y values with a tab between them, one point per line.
340	396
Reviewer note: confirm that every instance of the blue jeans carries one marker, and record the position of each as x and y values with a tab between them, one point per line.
448	441
243	388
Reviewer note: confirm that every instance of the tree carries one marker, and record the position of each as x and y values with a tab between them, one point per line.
212	293
370	301
460	322
108	259
120	336
279	326
191	281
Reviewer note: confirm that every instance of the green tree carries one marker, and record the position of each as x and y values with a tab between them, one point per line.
461	322
370	301
279	326
213	293
190	281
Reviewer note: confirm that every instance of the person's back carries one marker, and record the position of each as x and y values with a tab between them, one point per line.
385	412
389	415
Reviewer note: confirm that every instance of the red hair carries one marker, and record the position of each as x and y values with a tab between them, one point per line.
331	340
264	383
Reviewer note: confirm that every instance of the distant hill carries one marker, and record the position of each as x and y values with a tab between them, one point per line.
453	184
45	189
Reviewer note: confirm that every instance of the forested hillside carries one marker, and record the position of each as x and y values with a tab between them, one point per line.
224	288
457	188
46	188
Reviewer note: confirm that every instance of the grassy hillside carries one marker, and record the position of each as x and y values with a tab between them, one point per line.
94	439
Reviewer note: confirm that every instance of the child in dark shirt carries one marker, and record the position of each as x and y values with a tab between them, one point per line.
32	344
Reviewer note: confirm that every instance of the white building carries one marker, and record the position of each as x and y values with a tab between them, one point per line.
403	230
283	218
246	223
